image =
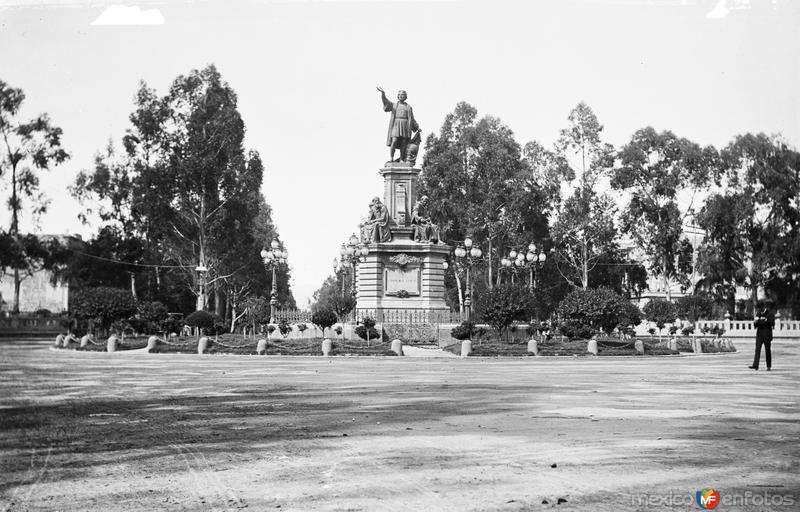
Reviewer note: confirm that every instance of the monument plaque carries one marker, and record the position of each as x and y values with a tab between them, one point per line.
406	279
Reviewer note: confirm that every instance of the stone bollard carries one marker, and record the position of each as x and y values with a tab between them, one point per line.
591	347
673	344
466	348
639	346
111	344
85	339
59	340
261	348
397	347
152	343
327	347
533	347
697	346
202	345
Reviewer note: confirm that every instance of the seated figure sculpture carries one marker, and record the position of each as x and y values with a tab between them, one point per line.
376	229
423	230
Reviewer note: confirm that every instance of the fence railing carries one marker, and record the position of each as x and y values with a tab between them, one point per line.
29	323
745	328
409	316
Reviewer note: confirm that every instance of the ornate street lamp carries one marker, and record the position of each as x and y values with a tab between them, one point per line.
467	254
531	259
351	254
273	258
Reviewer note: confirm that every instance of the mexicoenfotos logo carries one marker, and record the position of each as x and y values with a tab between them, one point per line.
707	498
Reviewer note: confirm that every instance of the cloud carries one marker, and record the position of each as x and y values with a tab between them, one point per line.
129	15
723	7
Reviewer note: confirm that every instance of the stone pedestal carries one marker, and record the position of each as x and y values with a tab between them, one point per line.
401	275
400	191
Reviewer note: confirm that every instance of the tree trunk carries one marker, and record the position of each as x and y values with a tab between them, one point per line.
584	264
754	291
666	279
489	260
17	281
218	299
133	286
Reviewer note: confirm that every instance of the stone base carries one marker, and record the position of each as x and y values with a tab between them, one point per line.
403	275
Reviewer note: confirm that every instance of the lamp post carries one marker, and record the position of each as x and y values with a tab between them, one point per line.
351	254
531	259
273	257
467	253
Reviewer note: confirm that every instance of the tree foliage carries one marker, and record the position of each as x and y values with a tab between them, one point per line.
660	311
662	173
26	148
323	318
477	183
187	191
505	304
584	229
599	309
694	307
101	306
753	221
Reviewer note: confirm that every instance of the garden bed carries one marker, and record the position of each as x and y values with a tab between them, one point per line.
562	347
241	345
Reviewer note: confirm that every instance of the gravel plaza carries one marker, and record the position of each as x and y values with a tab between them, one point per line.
97	431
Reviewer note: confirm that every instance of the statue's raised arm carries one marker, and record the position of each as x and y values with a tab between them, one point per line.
401	124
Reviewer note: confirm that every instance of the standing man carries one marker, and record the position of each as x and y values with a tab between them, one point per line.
763	323
401	124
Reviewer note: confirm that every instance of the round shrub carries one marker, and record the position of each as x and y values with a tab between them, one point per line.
598	309
323	318
102	305
464	331
660	312
504	304
208	322
362	331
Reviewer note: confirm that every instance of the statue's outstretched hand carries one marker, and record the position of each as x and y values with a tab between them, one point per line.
381	90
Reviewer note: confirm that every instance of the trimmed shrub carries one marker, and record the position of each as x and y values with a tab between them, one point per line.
576	329
209	323
362	331
285	327
464	331
102	306
661	312
597	309
323	318
504	304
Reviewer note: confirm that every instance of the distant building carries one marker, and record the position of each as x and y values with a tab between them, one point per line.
655	284
36	291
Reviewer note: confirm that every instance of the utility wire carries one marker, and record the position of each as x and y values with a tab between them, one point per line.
129	263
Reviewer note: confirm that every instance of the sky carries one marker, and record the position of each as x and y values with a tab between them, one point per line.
305	72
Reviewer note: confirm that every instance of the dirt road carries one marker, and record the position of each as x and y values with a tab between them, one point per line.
113	432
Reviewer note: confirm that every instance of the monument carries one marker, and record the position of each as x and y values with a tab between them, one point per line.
404	270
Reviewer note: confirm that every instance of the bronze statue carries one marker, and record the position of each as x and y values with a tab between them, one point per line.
413	147
377	227
401	124
423	230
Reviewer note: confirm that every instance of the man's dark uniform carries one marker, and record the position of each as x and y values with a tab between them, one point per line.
763	324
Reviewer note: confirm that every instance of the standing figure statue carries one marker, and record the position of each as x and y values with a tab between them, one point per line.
401	124
377	227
